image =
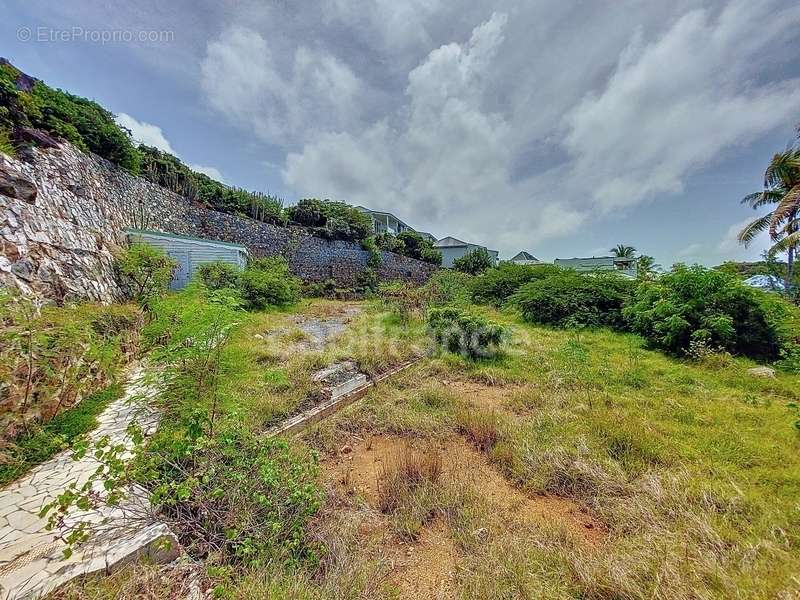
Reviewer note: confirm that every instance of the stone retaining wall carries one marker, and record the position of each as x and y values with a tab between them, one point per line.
63	212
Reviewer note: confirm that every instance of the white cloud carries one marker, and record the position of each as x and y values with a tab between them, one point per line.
145	133
152	135
508	128
283	102
672	105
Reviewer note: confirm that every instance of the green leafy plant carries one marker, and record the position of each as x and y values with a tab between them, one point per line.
474	262
466	333
695	304
446	287
219	275
413	245
268	282
6	146
145	272
51	357
330	219
568	299
496	285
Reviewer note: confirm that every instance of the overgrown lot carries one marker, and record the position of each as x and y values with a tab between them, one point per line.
576	463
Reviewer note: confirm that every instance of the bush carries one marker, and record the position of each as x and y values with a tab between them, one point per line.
569	299
496	285
333	220
241	495
145	272
390	243
308	212
218	275
695	304
268	282
465	333
51	357
474	262
84	123
446	287
416	246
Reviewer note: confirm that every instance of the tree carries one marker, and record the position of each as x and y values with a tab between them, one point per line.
782	193
416	246
145	271
623	251
474	262
646	266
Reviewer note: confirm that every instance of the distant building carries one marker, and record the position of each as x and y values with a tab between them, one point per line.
452	248
626	266
766	282
427	236
525	258
385	222
190	252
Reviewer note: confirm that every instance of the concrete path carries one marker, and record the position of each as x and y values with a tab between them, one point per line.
31	558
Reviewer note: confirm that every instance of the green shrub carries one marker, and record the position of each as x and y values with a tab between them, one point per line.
465	333
330	219
474	262
242	495
416	246
695	304
145	272
446	287
268	282
308	212
568	299
218	275
52	356
6	147
496	285
390	243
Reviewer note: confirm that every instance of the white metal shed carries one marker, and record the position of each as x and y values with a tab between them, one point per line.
190	252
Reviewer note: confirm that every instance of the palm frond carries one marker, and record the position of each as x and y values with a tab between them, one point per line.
783	169
758	199
753	228
790	241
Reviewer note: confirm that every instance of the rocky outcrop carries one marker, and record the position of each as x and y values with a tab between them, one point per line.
63	214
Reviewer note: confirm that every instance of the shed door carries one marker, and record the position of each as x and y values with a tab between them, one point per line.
181	277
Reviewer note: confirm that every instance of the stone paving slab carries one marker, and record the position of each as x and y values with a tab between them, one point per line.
31	558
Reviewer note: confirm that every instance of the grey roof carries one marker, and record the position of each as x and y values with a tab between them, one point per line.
187	238
524	256
451	242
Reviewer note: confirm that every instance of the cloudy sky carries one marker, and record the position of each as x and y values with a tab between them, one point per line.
558	127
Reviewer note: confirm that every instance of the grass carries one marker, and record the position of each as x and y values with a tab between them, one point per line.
56	435
692	468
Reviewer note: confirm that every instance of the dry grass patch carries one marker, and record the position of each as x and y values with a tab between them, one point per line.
481	427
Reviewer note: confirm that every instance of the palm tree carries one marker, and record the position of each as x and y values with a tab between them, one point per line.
623	251
782	193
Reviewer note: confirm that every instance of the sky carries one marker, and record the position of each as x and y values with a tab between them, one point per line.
554	126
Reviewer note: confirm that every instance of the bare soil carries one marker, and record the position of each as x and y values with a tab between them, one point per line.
425	568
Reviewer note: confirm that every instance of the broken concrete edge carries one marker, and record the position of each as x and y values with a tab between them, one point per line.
300	421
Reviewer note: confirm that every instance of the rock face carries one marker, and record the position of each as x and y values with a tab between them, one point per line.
63	214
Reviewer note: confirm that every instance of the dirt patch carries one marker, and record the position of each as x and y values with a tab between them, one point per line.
482	396
355	469
426	568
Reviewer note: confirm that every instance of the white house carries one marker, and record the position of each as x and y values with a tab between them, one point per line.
452	248
626	266
525	258
385	222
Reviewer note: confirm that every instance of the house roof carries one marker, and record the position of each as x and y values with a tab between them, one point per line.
451	242
186	238
382	212
524	256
